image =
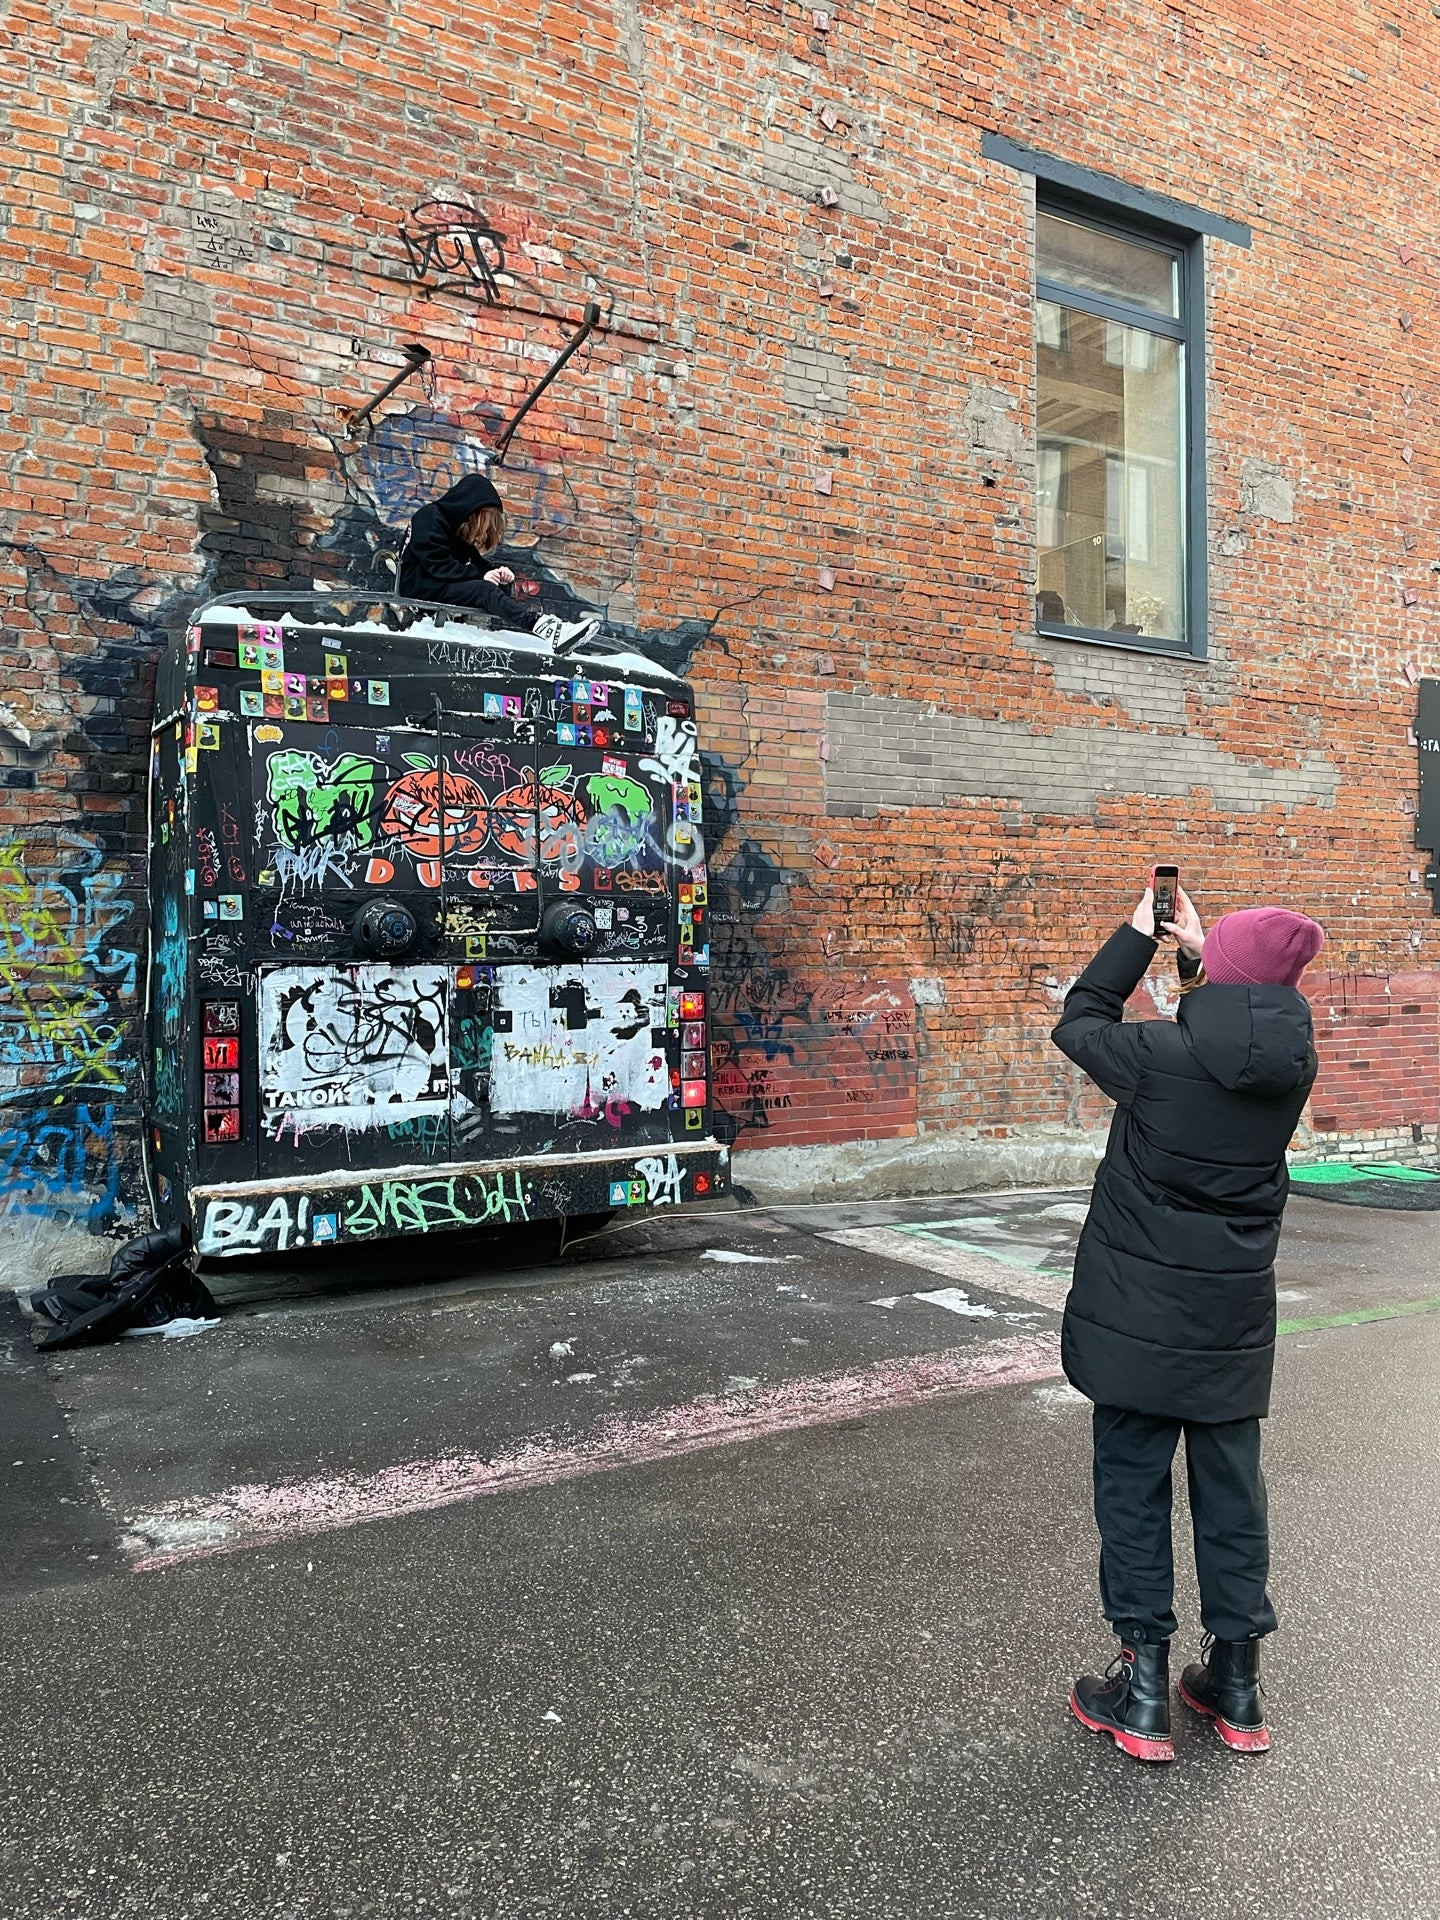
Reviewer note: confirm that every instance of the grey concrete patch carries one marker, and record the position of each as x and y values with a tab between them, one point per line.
1150	689
1265	491
989	427
48	1247
801	163
814	379
174	315
919	1164
902	753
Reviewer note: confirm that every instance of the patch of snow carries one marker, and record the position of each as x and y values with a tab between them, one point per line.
956	1300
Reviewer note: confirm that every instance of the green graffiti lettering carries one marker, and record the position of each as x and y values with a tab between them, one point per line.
316	800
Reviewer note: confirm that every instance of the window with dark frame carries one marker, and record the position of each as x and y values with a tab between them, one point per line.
1116	355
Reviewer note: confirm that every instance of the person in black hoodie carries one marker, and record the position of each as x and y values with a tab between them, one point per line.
444	557
1170	1322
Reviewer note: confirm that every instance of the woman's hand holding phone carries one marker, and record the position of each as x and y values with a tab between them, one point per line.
1185	927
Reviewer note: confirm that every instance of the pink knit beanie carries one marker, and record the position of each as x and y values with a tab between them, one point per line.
1260	947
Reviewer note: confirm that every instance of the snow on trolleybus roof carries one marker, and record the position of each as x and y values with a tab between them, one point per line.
412	620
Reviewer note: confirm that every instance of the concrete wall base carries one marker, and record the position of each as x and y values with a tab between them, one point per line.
923	1163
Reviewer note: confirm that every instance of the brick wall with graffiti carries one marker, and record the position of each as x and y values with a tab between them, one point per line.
796	461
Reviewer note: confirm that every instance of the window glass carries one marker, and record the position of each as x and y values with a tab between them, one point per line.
1088	258
1110	520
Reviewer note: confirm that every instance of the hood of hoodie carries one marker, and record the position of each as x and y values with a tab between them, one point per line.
1250	1039
467	496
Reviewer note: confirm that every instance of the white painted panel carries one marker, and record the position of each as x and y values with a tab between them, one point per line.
360	1046
542	1065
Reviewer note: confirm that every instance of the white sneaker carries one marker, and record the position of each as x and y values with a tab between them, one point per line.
562	635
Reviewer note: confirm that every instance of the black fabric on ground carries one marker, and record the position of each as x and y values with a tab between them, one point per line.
149	1283
1134	1453
436	564
1172	1309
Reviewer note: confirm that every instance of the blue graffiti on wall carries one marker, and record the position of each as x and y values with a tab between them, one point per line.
170	956
64	1029
61	1164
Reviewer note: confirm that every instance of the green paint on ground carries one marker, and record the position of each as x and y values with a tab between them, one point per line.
1361	1314
1344	1173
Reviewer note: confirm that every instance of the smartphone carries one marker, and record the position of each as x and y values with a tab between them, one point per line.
1165	883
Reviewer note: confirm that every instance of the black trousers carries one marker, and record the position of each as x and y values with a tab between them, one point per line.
1134	1453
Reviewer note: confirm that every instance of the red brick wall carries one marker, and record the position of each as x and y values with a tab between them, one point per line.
202	267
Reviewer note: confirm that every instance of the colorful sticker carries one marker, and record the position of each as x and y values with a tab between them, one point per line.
566	734
222	1126
337	665
317	707
209	910
222	1089
272	680
296	683
220	1016
323	1227
232	906
207	736
252	701
272	658
249	653
207	699
494	706
379	692
294	706
274	705
337	689
221	1055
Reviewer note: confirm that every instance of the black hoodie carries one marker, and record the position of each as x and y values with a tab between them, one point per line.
1172	1308
436	564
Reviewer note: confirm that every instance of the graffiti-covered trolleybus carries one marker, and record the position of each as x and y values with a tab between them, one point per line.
429	930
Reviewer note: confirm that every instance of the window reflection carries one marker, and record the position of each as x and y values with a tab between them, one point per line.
1110	474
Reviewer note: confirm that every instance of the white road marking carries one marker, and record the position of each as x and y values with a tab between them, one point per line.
970	1266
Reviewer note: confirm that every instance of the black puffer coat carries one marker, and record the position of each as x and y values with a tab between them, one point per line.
1172	1309
436	564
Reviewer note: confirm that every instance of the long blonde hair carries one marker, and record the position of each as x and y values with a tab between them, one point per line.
484	530
1189	986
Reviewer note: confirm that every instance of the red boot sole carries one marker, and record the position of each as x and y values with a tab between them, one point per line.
1238	1739
1135	1744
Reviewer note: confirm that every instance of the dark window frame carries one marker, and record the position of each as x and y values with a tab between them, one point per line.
1133	212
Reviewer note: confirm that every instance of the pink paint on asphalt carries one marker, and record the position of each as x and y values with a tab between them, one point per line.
258	1515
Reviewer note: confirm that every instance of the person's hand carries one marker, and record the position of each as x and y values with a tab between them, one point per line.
500	577
1143	918
1186	925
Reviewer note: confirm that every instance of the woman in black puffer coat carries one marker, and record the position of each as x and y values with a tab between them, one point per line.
1170	1323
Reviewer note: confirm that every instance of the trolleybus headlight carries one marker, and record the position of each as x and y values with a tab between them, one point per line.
386	928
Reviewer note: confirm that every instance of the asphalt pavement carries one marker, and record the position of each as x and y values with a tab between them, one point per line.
732	1565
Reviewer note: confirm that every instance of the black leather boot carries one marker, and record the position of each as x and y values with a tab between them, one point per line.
1132	1702
1224	1685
